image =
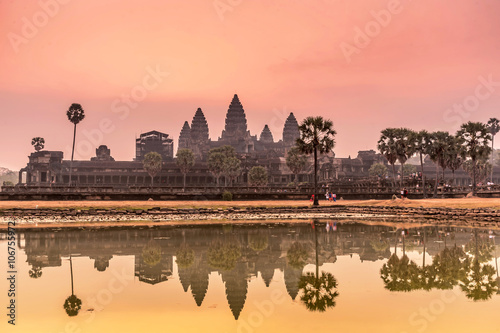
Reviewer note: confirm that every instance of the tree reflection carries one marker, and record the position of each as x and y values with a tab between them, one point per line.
258	242
318	292
73	304
184	257
35	272
297	255
151	254
223	255
400	274
479	282
449	267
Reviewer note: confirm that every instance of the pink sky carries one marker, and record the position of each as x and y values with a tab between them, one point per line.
279	56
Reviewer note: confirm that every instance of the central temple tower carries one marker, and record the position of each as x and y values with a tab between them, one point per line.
236	122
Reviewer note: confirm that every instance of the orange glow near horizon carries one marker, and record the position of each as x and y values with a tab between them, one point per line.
280	56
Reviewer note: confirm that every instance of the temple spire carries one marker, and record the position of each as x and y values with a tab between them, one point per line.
185	136
266	136
290	131
236	121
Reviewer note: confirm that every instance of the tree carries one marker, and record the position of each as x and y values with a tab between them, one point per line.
378	170
387	147
296	162
38	143
217	158
185	161
452	157
316	135
481	171
257	176
404	148
474	139
231	169
421	143
152	164
438	144
409	168
494	127
75	115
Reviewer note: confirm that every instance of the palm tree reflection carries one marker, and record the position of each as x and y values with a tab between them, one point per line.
318	292
73	304
479	282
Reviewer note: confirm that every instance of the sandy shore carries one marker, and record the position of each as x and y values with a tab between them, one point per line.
470	203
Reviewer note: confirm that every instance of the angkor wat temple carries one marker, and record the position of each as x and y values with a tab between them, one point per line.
49	167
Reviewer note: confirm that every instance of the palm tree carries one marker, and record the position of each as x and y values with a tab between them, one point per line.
494	126
452	156
75	115
296	162
474	139
439	143
152	164
318	292
316	135
38	143
404	148
185	161
387	147
421	142
73	304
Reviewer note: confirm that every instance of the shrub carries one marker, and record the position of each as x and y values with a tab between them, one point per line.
227	196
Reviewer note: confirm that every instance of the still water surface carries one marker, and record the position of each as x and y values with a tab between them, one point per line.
315	276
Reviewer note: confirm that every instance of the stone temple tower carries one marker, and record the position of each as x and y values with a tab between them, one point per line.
199	134
290	131
185	136
236	122
266	136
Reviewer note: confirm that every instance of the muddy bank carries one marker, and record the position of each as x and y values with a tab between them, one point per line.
457	216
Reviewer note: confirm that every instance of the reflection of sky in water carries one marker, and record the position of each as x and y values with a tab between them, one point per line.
129	279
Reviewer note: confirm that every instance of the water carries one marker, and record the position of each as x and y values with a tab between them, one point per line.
221	278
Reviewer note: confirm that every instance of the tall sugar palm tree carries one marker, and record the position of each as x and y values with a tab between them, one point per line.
439	143
421	142
387	147
316	135
494	127
474	139
75	115
404	148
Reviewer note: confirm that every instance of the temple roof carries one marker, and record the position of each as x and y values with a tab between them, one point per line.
266	136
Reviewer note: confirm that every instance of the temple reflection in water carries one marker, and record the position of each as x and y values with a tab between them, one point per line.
240	253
